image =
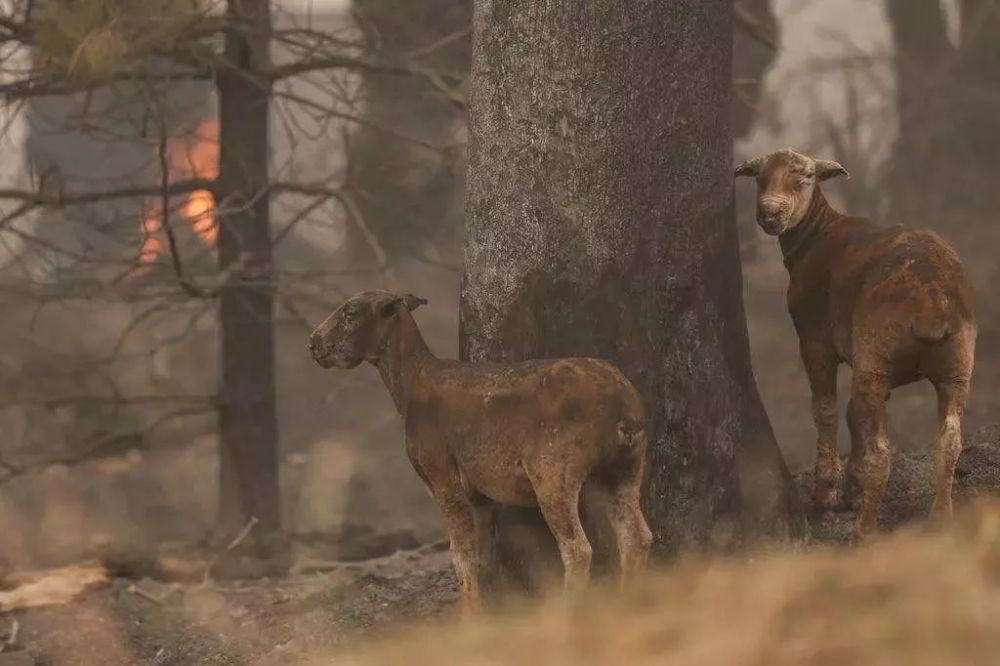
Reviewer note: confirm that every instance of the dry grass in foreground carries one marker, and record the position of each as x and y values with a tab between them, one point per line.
915	598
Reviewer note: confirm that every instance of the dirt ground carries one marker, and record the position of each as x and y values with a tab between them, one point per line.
329	607
918	597
267	622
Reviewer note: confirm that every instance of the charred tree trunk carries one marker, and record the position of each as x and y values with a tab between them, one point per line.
949	114
755	46
979	119
247	417
600	223
944	161
409	195
924	60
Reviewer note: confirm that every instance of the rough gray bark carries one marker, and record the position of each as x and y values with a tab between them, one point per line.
248	426
600	223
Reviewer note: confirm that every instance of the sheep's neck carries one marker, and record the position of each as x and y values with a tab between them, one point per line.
797	240
400	364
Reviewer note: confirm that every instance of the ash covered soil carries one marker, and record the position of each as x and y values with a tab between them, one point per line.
910	492
275	621
267	621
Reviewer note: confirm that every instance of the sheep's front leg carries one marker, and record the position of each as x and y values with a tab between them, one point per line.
630	527
821	368
458	518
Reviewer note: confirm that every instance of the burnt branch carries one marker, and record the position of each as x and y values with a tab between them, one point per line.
333	61
355	119
105	447
749	25
61	199
175	256
48	85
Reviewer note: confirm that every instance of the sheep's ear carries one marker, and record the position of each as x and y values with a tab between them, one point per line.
750	168
826	169
389	307
414	302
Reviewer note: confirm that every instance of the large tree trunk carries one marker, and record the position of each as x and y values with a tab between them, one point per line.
944	161
600	223
924	58
979	116
949	113
410	195
752	57
247	416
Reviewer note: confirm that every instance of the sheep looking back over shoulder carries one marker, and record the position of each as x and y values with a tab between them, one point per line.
526	434
892	303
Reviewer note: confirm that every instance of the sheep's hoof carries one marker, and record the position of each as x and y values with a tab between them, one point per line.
940	512
853	495
853	490
826	497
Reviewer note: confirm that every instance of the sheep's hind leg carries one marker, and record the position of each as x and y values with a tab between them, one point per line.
948	445
484	517
632	532
558	495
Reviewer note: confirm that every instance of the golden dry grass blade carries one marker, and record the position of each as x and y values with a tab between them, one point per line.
913	598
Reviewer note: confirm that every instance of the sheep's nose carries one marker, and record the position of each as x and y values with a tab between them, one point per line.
770	209
313	343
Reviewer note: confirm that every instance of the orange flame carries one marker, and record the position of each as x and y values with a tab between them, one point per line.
193	156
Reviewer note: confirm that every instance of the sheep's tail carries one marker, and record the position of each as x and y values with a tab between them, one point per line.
933	322
632	433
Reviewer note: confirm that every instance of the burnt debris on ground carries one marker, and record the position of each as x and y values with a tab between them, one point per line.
329	605
910	492
273	621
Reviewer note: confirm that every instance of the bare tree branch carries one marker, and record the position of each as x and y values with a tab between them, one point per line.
357	218
334	113
175	257
337	61
20	211
106	447
447	40
749	24
59	200
47	85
